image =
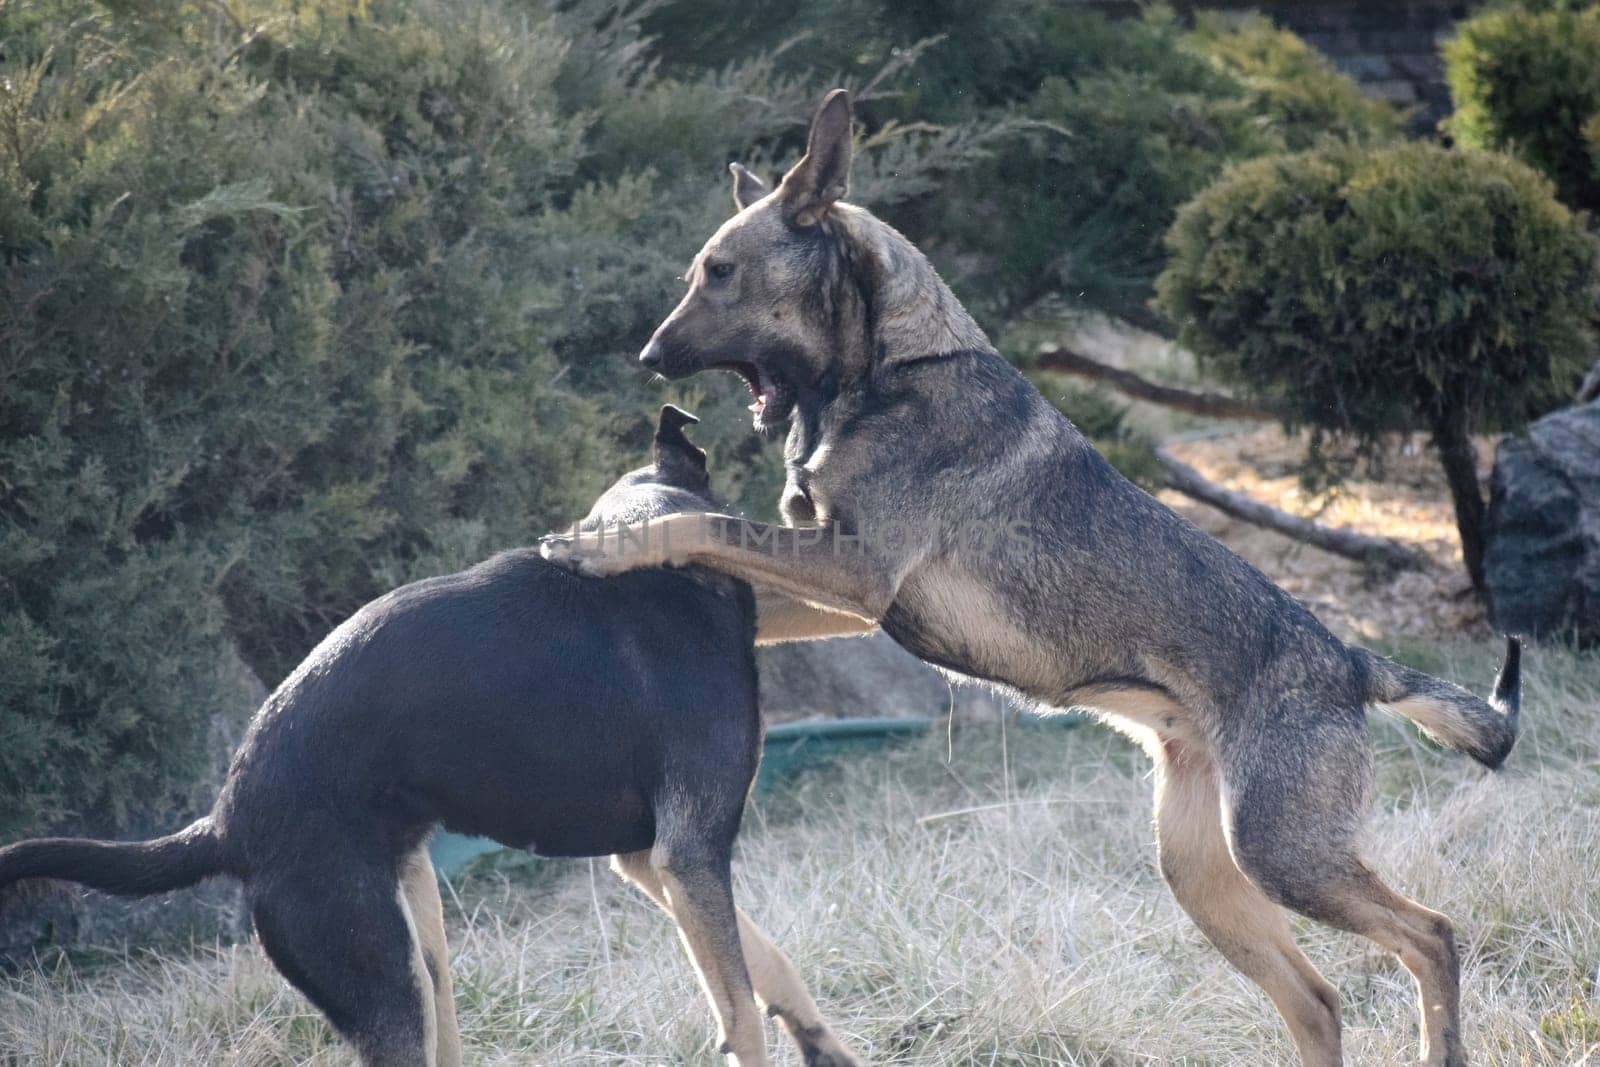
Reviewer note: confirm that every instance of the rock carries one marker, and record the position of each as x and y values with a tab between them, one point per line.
860	677
41	916
1543	558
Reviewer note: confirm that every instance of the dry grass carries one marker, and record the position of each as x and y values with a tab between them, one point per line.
1034	930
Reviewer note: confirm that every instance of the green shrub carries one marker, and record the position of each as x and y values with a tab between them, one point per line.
1528	82
1591	144
274	347
1294	92
1094	130
304	301
1366	291
1130	119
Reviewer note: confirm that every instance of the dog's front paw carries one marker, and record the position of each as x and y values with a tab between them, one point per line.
840	1057
600	553
557	548
825	1050
560	548
585	554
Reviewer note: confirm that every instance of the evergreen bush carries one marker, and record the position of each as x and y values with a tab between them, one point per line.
1117	124
1528	82
304	301
1363	291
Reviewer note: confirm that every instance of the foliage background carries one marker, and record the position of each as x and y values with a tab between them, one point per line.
301	299
1526	79
1363	292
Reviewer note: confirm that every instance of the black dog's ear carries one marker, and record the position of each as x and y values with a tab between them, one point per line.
822	177
674	454
747	188
670	424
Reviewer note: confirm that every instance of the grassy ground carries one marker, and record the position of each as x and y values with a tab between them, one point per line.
995	904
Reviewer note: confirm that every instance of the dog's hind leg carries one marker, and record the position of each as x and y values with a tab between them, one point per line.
1294	812
778	987
421	889
784	995
1247	928
342	936
697	892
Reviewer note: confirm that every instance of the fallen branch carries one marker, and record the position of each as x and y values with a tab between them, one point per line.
1368	549
1590	389
1213	405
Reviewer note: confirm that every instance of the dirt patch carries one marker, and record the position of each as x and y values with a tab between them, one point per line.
1410	503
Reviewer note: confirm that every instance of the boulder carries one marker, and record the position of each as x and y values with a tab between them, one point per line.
861	677
1543	557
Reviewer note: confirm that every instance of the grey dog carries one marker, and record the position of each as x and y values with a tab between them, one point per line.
907	432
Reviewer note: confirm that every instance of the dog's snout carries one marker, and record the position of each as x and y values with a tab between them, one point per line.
651	356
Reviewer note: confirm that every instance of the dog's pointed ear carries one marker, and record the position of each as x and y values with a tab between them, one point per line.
822	177
747	188
674	454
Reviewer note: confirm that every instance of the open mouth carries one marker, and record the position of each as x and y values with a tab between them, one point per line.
771	398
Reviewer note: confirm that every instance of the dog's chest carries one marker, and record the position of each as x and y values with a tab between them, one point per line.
797	506
812	491
951	618
826	463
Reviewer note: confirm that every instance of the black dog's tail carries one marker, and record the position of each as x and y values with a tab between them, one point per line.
1484	730
128	868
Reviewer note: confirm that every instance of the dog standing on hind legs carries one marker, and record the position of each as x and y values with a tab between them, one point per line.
517	701
932	490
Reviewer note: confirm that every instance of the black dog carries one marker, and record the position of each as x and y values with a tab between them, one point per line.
515	700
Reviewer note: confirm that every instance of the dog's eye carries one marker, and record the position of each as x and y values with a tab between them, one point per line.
719	272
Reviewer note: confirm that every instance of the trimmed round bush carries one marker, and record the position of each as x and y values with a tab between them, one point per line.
1361	292
1528	82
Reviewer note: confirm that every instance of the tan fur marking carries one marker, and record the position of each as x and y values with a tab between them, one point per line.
782	618
741	1037
1438	719
778	987
781	992
1144	714
1234	915
423	984
801	563
419	890
1424	941
738	1023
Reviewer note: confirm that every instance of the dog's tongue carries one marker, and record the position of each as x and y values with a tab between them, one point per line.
765	394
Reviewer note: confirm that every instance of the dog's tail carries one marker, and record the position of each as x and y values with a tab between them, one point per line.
128	868
1484	730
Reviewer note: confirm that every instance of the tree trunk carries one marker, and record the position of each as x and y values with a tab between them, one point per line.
1460	462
